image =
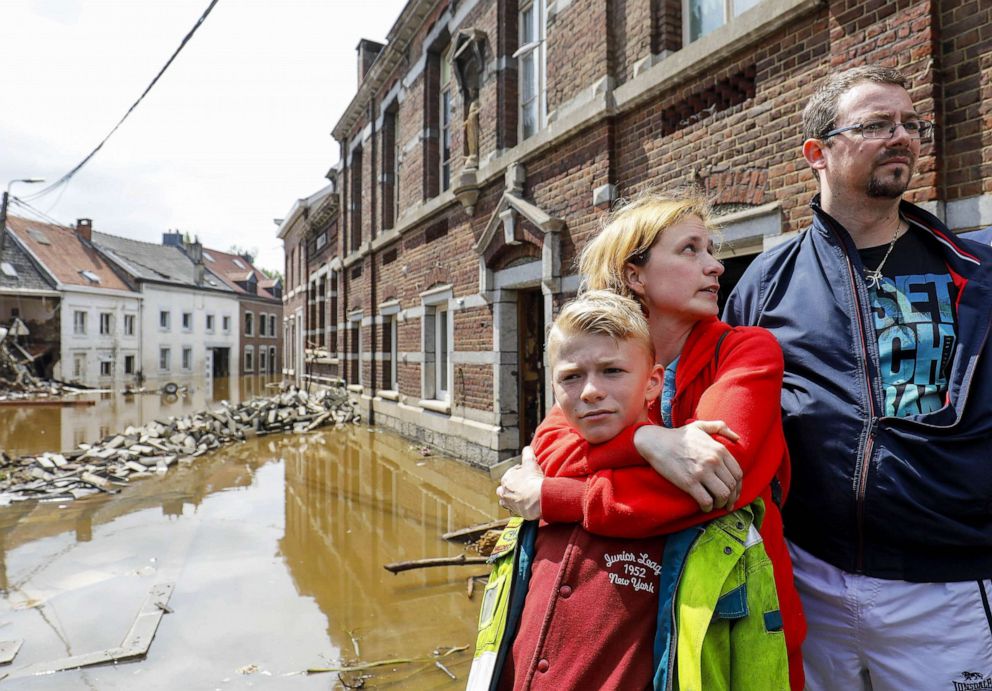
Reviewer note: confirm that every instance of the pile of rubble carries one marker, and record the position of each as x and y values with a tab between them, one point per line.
158	445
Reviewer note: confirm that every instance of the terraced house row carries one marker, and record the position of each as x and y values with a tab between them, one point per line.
100	310
487	139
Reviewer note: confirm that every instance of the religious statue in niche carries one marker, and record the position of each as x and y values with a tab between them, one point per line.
472	130
467	60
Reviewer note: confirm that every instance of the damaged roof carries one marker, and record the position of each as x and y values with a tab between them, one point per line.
27	275
233	269
65	255
150	262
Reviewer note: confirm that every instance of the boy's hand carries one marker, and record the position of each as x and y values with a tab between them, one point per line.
520	489
692	460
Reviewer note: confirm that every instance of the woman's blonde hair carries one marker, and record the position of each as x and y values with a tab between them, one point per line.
603	313
629	233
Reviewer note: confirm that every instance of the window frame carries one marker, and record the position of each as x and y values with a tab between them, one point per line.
164	359
187	358
730	13
536	47
79	365
249	359
129	322
437	328
164	320
249	323
79	320
108	318
445	119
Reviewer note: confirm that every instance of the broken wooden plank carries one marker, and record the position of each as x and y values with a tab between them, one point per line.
136	642
431	562
8	650
473	532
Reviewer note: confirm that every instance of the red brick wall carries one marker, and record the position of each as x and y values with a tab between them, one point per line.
576	50
734	128
965	120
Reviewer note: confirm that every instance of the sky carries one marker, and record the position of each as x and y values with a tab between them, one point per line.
236	130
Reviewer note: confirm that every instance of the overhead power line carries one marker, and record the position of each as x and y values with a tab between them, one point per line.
68	176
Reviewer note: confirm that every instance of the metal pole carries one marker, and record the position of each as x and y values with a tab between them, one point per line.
3	221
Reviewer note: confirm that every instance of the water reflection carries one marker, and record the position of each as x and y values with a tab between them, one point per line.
31	429
276	549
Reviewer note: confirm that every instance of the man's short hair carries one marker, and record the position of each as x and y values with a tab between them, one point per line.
629	233
604	313
820	114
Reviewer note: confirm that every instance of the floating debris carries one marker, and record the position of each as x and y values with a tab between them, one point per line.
362	666
159	445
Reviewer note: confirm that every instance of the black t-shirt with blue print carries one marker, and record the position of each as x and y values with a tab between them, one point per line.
915	323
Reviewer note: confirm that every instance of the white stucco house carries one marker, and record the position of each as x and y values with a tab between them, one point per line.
189	319
98	327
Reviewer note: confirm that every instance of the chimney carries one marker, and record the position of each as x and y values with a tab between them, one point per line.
194	251
84	228
368	51
172	238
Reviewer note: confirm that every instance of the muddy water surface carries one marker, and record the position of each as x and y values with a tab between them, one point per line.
34	429
275	548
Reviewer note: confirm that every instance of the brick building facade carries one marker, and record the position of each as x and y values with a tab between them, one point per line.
487	138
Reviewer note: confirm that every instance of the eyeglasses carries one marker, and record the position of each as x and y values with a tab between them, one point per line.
886	129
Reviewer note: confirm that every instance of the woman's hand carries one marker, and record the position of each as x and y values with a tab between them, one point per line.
520	489
692	460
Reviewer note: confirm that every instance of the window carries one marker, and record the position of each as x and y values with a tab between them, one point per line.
187	357
249	359
187	321
436	347
79	323
445	122
128	324
105	323
128	364
261	324
272	325
210	323
164	358
703	16
164	319
106	367
391	166
262	364
531	66
355	359
249	324
389	353
79	365
226	324
355	201
272	359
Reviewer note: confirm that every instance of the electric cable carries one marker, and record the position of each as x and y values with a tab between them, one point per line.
68	176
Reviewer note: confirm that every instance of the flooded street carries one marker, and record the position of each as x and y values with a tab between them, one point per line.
275	549
35	429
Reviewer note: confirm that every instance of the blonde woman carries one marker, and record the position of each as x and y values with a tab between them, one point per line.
715	440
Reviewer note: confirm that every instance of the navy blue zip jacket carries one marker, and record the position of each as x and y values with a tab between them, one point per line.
899	498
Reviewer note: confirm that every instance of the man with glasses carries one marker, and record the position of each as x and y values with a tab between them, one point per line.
884	318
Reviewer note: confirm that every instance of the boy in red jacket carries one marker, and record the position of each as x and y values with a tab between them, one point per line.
588	592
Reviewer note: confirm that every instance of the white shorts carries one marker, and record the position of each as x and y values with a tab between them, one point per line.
887	635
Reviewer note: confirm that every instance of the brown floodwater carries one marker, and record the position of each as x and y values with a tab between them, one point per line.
275	548
34	429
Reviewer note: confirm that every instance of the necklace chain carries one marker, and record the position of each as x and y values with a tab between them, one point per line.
873	277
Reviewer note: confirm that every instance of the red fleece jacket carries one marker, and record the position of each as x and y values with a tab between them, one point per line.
611	490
